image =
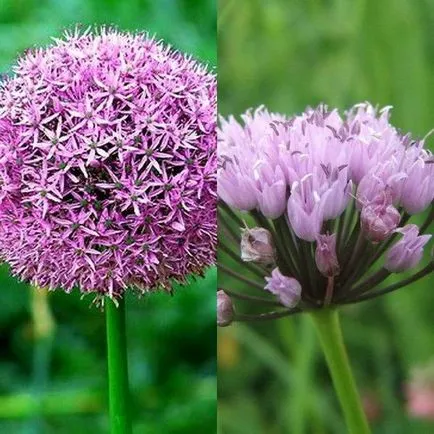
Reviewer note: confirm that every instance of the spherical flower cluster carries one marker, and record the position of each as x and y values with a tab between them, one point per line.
333	191
107	164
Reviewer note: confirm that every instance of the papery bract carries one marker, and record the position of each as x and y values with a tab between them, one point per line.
257	246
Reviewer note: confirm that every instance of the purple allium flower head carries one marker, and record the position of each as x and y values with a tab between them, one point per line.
325	255
287	289
107	163
225	309
408	251
257	246
303	177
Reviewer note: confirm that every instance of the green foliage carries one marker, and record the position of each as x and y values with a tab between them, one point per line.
287	55
171	339
171	344
187	24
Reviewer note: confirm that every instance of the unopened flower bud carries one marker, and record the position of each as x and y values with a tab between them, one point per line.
408	251
325	255
379	220
225	309
257	246
287	289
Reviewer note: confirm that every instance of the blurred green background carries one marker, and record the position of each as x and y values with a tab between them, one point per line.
171	340
287	55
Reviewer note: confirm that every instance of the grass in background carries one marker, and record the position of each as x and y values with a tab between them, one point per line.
171	340
187	24
287	55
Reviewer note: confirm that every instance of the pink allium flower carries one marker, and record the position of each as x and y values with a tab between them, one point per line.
107	164
345	182
251	182
407	252
287	289
418	185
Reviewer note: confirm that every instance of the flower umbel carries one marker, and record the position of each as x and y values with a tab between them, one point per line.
333	192
107	164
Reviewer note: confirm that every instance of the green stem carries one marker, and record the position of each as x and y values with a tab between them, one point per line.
330	335
304	359
43	329
120	420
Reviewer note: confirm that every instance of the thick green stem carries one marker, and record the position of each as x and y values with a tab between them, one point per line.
120	420
330	334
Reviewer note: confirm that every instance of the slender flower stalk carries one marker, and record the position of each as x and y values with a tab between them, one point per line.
329	194
43	333
119	393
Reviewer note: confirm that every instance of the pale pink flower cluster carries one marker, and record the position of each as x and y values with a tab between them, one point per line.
307	166
332	192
